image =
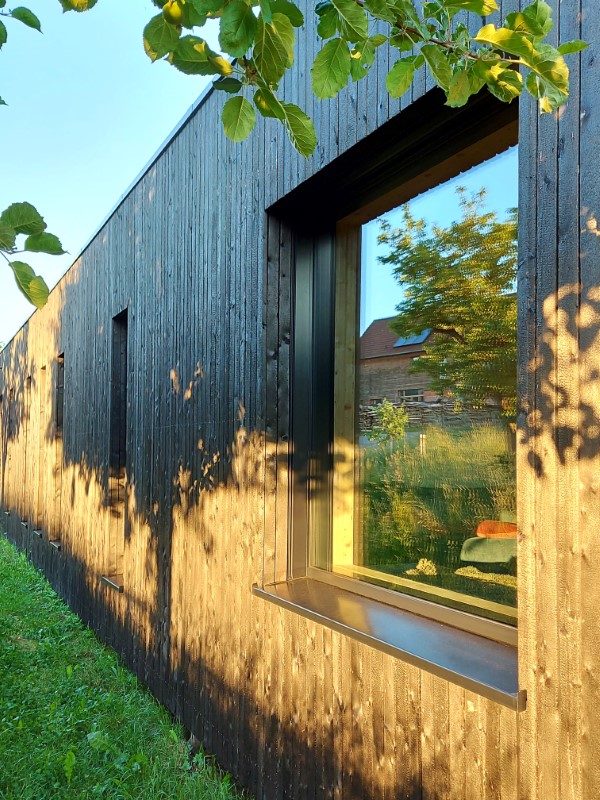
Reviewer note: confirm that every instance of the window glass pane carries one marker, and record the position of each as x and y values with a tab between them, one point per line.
428	506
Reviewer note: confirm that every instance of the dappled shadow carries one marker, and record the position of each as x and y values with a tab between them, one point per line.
294	710
561	418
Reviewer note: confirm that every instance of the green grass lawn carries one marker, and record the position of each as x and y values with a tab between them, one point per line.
73	722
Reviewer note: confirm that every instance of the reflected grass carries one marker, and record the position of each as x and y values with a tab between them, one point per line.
422	497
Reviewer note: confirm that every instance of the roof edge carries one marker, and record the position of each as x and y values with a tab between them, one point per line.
196	105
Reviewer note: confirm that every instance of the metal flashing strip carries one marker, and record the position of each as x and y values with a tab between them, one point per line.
114	582
480	665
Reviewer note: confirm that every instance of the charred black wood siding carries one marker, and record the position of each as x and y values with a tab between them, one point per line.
293	709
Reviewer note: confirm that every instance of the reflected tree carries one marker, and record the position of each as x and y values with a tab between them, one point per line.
459	282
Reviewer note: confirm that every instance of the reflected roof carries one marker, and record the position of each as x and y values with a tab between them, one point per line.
379	341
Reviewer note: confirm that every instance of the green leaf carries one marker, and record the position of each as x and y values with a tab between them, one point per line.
535	20
505	84
552	68
190	56
239	118
27	17
192	18
509	41
328	23
291	11
3	34
231	85
331	69
460	89
381	10
481	7
44	243
401	75
274	47
406	13
378	39
439	65
363	56
77	5
547	96
7	236
160	38
544	86
24	218
575	46
206	7
361	59
402	42
193	56
265	10
33	286
238	28
2	102
300	129
354	19
221	65
268	104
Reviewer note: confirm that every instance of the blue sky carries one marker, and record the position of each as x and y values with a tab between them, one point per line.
380	292
87	110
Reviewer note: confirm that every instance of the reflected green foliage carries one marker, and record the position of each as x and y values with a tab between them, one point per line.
390	423
459	282
425	503
75	724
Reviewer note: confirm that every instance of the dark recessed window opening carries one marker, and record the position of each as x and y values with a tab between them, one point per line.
60	393
117	479
405	381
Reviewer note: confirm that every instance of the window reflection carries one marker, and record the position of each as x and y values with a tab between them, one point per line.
434	501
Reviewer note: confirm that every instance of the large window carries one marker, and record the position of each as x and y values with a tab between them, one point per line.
412	457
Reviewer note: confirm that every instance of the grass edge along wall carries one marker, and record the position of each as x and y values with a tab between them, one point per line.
293	707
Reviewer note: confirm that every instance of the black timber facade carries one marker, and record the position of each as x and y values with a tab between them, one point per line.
200	256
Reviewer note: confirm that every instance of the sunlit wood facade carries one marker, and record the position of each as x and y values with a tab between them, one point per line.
198	254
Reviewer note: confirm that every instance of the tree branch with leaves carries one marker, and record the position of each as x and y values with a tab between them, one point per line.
258	38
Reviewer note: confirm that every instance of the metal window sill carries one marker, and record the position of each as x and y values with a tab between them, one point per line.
114	582
55	543
480	665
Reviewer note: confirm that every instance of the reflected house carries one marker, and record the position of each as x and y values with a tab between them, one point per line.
385	364
179	451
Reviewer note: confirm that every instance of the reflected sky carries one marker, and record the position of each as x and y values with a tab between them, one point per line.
380	291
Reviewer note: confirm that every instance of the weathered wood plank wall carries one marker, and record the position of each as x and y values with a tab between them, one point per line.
293	709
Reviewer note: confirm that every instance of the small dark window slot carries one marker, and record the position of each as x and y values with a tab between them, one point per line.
37	533
117	473
60	393
25	524
55	543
